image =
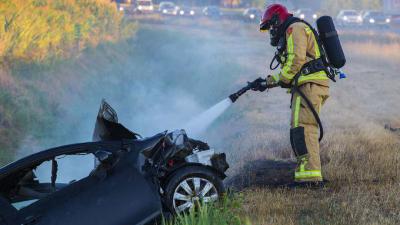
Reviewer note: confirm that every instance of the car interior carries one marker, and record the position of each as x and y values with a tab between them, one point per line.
38	181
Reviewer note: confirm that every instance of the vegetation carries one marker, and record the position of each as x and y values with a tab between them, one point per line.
364	175
35	30
225	212
35	36
360	158
203	63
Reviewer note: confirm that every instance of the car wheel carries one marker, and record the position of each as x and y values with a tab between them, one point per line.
191	185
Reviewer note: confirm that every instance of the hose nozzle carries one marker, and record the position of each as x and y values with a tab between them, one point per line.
256	85
234	97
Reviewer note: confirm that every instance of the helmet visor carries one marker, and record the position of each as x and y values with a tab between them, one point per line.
265	26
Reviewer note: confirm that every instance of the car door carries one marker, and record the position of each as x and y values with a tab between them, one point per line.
7	212
115	192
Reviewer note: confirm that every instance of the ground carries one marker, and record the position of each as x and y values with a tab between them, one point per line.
360	158
173	70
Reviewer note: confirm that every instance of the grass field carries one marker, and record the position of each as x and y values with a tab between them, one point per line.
360	158
168	73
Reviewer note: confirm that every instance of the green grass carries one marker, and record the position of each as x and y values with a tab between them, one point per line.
225	212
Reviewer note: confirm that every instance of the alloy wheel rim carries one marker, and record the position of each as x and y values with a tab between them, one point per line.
192	191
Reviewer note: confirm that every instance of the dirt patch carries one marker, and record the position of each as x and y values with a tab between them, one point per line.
393	126
263	173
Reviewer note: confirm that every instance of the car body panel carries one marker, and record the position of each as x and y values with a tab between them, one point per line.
120	194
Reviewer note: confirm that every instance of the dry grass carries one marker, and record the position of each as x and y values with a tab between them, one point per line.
361	204
383	52
360	158
364	175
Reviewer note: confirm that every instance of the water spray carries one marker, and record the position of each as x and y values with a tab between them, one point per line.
197	126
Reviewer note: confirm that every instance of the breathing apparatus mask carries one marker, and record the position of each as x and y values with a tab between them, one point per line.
274	37
275	28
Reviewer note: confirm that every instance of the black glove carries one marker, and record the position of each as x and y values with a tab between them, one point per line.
259	84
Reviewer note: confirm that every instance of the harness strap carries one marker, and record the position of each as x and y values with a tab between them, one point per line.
312	66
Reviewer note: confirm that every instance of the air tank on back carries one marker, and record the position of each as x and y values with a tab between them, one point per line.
330	40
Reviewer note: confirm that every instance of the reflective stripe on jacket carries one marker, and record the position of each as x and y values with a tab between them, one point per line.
301	47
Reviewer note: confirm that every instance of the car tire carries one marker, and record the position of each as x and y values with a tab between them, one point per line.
186	186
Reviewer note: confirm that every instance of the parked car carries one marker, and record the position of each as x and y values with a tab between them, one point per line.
125	6
144	6
376	19
348	18
133	179
212	12
252	15
187	11
168	8
306	14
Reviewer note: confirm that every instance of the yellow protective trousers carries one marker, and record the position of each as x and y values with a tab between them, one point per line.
304	140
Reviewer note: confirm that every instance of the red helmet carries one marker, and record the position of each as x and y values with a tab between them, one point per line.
274	15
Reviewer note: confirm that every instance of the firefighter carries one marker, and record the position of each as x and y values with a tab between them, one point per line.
297	47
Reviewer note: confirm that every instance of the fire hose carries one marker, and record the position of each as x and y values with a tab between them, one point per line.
261	84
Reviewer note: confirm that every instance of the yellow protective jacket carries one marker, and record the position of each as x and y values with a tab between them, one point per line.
301	47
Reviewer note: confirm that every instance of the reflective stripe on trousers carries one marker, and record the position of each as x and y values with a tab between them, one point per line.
296	112
308	174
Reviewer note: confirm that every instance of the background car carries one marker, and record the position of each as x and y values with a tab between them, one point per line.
125	6
252	15
187	11
144	6
376	19
349	18
168	8
306	14
213	12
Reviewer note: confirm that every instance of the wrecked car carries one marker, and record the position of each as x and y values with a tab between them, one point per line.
131	180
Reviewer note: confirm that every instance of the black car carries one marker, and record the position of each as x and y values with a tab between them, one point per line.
132	180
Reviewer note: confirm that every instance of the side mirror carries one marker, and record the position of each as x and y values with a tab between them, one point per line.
104	157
